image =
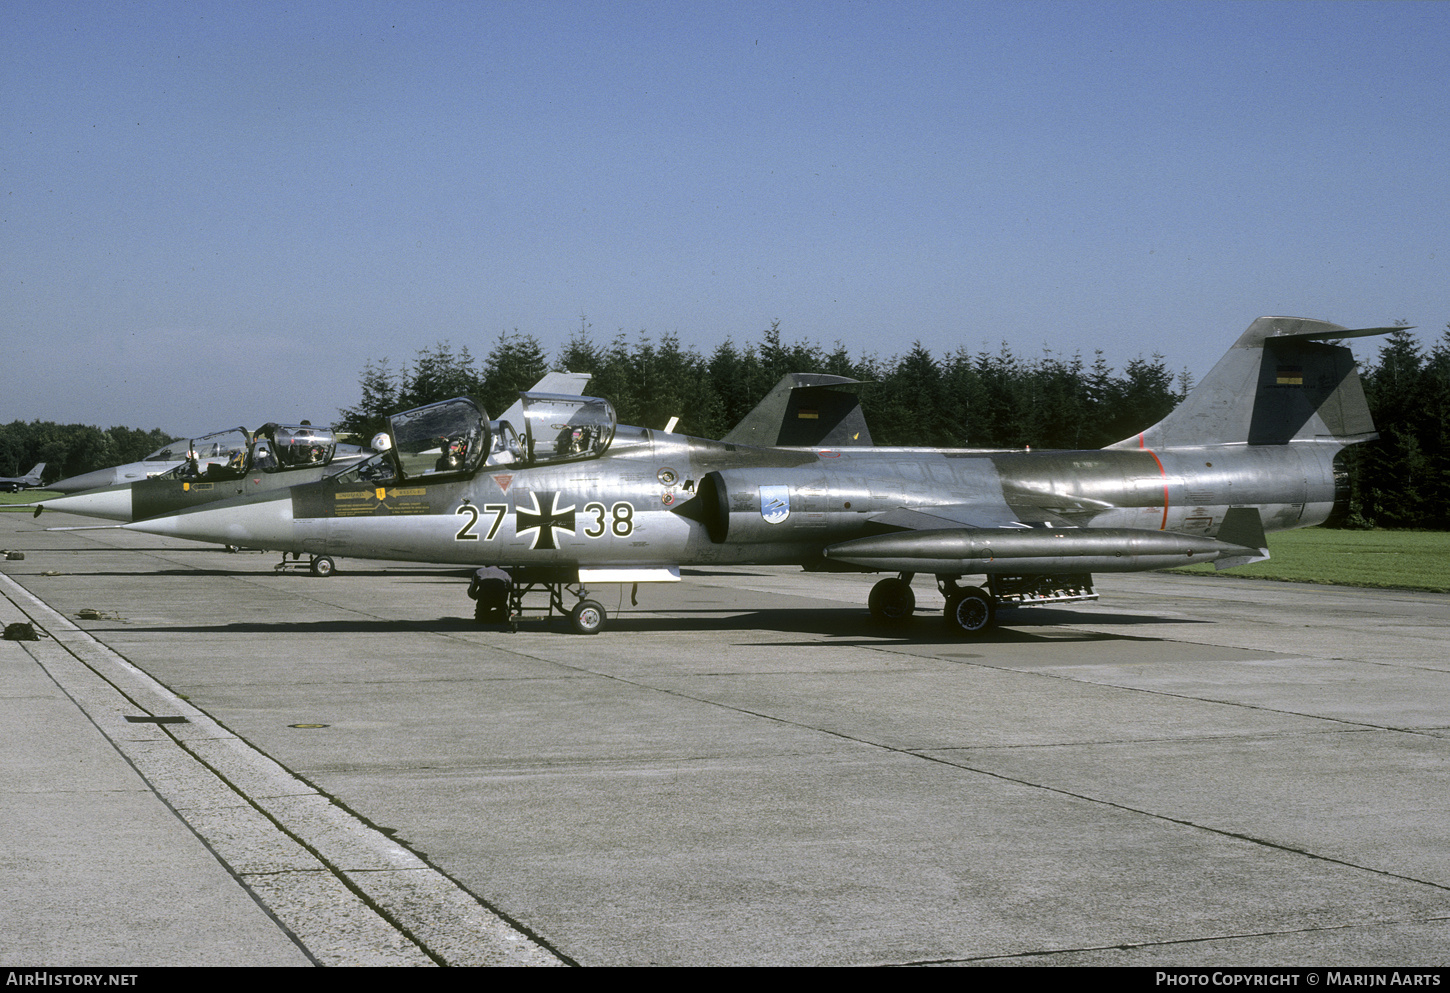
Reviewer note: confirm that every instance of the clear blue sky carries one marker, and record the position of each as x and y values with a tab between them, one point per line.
216	213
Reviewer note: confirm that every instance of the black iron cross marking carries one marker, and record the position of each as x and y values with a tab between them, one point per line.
543	522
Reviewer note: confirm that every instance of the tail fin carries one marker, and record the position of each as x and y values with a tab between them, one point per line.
566	383
805	409
32	478
1278	383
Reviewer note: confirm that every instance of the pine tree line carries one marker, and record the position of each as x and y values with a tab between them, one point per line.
1403	479
983	400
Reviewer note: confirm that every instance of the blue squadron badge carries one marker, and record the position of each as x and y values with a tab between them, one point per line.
774	503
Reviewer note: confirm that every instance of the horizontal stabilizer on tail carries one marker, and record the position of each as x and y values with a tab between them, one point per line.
564	383
1322	334
1244	527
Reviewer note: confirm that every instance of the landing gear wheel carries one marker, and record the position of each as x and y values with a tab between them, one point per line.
587	617
892	601
971	611
323	566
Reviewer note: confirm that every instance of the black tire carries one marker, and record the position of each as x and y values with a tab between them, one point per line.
587	617
971	612
892	601
323	566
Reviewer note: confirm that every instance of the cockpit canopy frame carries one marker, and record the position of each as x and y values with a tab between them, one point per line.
271	448
455	439
448	438
565	428
278	447
216	446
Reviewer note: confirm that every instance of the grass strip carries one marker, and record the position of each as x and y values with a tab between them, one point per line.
1407	560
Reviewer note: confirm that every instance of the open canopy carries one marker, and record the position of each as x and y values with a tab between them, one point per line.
456	438
451	437
560	428
216	447
271	448
292	446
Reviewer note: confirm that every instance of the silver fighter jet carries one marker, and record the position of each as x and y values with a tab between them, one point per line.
565	496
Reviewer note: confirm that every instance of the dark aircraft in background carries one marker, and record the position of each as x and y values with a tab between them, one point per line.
14	484
567	497
217	448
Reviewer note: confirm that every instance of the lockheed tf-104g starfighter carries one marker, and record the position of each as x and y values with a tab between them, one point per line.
569	497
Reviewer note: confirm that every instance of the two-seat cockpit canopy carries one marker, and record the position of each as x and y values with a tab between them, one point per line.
271	448
560	428
217	446
455	438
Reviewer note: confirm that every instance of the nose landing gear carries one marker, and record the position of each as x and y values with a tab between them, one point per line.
499	598
318	565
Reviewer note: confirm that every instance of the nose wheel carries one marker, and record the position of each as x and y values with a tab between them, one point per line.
587	617
499	598
318	565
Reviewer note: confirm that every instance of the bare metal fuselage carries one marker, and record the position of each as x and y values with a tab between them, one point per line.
662	499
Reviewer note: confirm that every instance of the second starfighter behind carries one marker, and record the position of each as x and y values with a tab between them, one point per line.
569	497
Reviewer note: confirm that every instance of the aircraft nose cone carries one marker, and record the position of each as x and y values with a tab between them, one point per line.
85	481
110	504
257	523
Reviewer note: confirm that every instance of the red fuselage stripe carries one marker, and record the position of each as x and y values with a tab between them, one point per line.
1163	526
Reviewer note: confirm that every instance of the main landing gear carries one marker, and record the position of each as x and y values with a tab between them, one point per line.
969	610
499	598
972	610
892	601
